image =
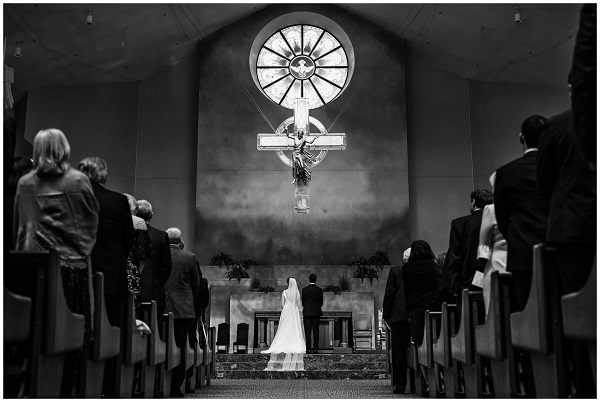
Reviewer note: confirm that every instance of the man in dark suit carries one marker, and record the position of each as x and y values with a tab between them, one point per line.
157	269
395	314
521	211
312	302
183	300
114	241
461	258
568	184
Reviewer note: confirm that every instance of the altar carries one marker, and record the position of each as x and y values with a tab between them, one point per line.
261	312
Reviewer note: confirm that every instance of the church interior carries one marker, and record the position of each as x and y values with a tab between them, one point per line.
411	107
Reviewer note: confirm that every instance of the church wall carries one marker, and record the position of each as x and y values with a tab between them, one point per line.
497	111
244	197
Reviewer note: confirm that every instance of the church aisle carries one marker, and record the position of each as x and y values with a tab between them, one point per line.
297	389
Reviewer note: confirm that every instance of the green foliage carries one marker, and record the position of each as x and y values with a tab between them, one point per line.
236	268
267	289
344	283
368	267
332	288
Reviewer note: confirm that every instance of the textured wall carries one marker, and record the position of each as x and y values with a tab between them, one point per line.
244	197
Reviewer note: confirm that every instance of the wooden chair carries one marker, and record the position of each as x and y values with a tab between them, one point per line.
362	325
223	338
462	344
53	328
173	357
135	348
579	310
442	353
241	343
493	338
157	351
537	328
107	343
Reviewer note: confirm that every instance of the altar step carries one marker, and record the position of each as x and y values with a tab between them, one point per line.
320	366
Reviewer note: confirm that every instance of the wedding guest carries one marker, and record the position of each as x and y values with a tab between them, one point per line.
567	183
396	315
55	208
158	268
20	167
421	277
492	248
521	211
464	239
140	254
109	256
183	300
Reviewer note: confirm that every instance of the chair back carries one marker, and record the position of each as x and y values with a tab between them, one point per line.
242	333
223	334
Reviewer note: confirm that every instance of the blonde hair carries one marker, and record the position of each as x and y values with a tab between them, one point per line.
51	152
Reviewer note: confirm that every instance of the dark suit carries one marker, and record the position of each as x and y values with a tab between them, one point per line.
462	251
522	216
183	300
157	269
568	184
312	302
114	240
395	313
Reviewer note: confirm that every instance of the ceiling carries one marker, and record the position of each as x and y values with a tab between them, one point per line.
130	42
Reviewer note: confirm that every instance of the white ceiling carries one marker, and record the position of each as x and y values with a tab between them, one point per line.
473	41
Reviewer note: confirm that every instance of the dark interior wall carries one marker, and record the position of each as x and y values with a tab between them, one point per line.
166	151
244	197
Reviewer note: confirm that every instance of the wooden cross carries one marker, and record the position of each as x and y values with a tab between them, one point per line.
279	142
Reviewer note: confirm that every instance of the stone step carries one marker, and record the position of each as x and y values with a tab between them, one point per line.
317	366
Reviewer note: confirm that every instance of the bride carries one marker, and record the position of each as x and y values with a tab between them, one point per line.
288	346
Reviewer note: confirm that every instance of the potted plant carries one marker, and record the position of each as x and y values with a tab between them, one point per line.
255	283
344	283
368	267
235	268
333	288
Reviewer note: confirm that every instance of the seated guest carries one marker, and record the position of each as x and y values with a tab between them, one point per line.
183	300
140	253
492	248
55	208
421	277
20	167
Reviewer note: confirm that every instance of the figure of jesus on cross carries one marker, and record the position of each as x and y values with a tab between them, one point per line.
302	160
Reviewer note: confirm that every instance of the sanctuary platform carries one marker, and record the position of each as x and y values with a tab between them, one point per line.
367	365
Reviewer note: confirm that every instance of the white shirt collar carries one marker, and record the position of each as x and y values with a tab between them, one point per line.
529	150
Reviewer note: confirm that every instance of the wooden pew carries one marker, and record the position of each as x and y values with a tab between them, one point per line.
493	338
17	317
425	351
389	368
212	337
442	353
135	347
107	343
412	361
187	359
157	350
199	370
173	357
203	368
54	329
470	384
579	311
537	328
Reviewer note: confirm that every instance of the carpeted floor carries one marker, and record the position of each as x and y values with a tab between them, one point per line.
297	389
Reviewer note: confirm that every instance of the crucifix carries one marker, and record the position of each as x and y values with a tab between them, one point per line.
299	143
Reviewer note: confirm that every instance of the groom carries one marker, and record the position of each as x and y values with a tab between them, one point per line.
312	301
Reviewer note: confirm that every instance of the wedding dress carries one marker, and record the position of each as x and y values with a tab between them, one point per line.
288	346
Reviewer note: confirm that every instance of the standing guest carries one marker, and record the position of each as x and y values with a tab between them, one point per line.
421	277
312	302
464	239
567	183
183	300
20	167
114	238
396	315
521	211
492	248
55	208
109	256
140	253
158	268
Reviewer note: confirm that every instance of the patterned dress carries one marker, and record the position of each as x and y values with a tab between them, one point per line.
141	251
